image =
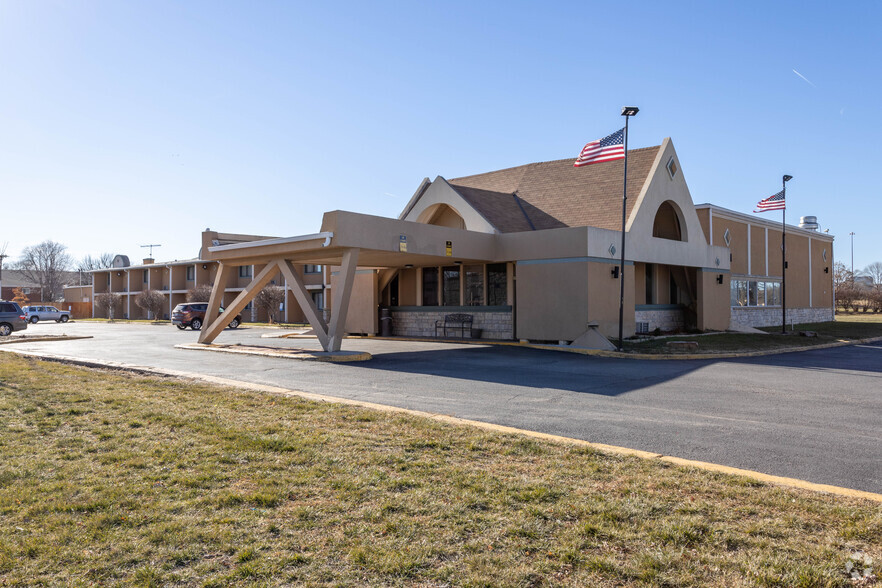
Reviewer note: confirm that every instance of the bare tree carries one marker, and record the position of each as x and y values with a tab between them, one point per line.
89	263
106	302
874	271
270	298
45	264
2	257
199	293
151	301
841	274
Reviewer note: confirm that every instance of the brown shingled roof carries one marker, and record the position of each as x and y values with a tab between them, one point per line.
555	194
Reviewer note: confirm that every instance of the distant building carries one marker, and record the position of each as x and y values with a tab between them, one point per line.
175	278
12	279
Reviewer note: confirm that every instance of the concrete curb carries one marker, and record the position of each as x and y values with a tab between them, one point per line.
301	354
603	448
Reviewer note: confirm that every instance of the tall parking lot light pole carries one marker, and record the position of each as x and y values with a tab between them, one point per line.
627	112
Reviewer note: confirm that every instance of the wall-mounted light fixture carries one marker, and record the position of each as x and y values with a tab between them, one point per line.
408	266
458	262
827	270
720	279
204	266
119	273
615	272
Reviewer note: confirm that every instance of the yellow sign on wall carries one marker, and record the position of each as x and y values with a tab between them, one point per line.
449	249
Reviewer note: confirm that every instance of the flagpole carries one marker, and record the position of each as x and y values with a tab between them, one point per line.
627	112
784	256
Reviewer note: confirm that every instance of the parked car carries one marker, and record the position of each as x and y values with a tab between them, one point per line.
12	318
45	313
192	314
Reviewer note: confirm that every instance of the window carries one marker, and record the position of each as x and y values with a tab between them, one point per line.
755	293
497	284
672	167
191	273
450	292
244	271
474	285
146	275
430	286
312	269
319	299
727	237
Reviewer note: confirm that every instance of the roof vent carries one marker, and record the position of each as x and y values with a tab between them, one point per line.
808	222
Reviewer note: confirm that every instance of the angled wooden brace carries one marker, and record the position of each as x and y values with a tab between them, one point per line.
211	331
216	298
295	284
342	293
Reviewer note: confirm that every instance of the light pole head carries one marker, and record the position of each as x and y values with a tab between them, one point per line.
787	178
629	110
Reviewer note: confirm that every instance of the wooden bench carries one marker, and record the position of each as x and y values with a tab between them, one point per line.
454	323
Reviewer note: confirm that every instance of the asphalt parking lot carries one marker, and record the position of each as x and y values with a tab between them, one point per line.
814	415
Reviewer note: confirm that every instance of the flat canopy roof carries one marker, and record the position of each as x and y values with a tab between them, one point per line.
382	242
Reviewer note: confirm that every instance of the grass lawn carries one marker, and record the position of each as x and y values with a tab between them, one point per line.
110	479
845	328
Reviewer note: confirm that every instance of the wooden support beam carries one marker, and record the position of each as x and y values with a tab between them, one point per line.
216	298
342	293
313	315
211	331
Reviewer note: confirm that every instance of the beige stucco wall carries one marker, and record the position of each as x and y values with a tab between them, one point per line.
552	300
557	300
822	282
774	253
757	250
362	316
797	272
737	242
713	301
603	301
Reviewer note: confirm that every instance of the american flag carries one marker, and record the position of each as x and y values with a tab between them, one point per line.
774	202
609	148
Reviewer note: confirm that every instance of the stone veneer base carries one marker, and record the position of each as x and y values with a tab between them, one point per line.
494	325
663	320
771	316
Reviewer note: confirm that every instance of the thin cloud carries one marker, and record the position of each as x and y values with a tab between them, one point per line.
808	81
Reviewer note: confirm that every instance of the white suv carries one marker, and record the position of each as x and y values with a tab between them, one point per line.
45	313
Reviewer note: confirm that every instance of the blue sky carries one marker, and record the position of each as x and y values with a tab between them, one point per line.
127	123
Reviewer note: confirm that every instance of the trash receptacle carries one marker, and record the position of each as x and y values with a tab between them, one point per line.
385	322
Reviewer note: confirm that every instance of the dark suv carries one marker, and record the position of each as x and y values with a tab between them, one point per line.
12	318
192	314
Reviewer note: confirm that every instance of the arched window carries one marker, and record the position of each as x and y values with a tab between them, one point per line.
668	222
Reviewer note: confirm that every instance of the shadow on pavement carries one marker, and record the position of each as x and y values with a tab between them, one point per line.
560	370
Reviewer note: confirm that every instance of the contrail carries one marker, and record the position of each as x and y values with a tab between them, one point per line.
805	78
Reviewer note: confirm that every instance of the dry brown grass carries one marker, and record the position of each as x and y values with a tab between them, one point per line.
118	479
